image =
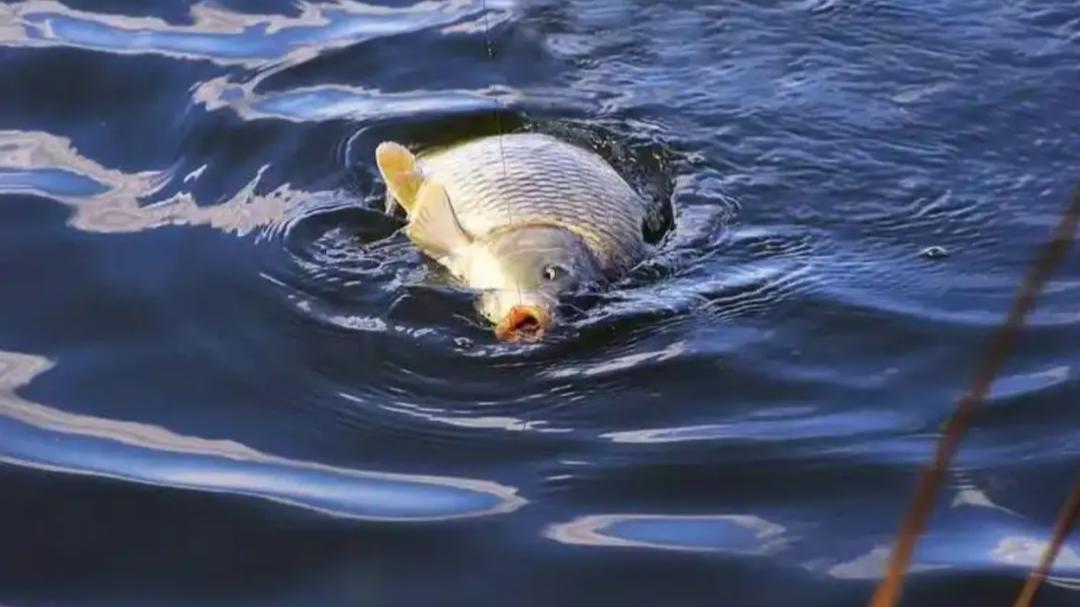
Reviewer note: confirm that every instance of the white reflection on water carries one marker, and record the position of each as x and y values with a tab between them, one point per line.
1009	387
1026	552
810	426
272	43
334	101
872	565
43	437
225	37
972	548
987	542
970	494
727	533
621	363
107	200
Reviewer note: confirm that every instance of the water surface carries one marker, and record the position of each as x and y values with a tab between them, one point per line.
227	379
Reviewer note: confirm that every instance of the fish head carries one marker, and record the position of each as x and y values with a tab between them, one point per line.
523	273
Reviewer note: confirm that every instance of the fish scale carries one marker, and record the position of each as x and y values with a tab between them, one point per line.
532	178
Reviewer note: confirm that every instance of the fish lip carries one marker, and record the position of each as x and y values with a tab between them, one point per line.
524	323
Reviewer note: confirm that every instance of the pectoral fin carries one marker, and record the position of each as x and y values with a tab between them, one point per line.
433	226
398	168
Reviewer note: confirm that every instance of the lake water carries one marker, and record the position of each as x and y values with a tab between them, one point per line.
227	379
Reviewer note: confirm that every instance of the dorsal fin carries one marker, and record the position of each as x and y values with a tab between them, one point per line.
398	168
433	226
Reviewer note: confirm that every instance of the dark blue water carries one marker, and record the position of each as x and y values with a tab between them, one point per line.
226	379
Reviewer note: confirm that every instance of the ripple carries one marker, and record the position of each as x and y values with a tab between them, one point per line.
619	364
746	535
790	342
345	267
335	102
40	162
968	551
46	438
107	200
986	311
49	182
812	426
477	422
1009	387
226	37
872	566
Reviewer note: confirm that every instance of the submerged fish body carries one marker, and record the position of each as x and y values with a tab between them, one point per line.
522	218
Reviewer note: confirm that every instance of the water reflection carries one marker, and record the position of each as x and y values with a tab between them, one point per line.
620	363
1009	387
729	533
325	102
962	544
43	437
51	182
107	200
222	36
274	42
812	425
970	494
483	422
872	565
1026	552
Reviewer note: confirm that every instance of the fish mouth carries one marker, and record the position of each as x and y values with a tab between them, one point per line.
523	323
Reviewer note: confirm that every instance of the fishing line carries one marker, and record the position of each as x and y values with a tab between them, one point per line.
495	100
497	113
498	120
887	593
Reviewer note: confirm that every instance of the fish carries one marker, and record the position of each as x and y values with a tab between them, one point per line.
524	219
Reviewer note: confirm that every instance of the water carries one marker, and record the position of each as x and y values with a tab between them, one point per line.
225	378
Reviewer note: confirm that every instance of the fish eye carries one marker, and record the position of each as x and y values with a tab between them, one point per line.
553	272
